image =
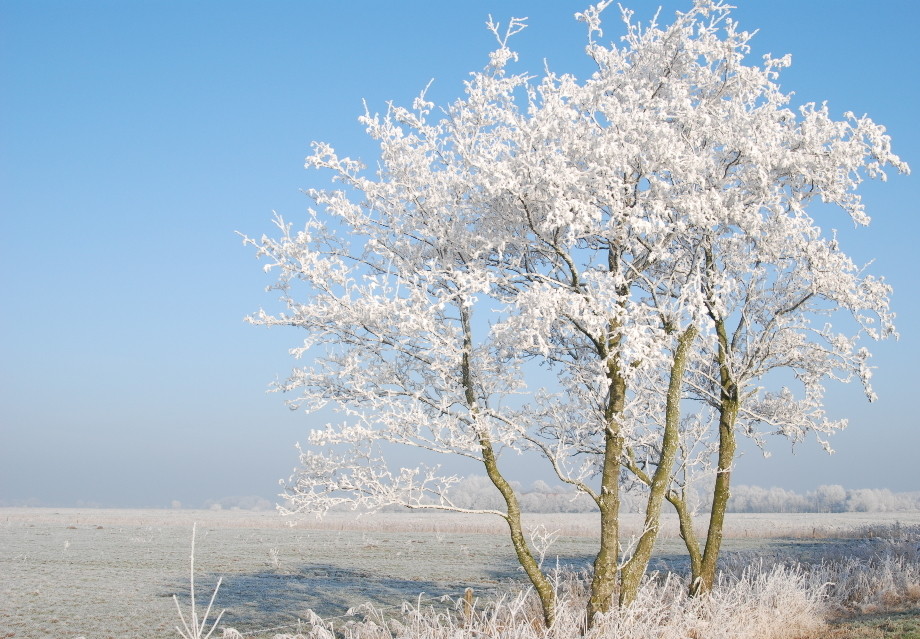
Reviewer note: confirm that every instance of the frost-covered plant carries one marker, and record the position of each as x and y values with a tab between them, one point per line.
753	597
761	603
641	234
877	572
195	628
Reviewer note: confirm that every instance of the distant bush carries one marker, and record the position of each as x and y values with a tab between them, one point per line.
248	502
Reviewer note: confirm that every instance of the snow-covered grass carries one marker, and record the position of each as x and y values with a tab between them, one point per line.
111	573
738	525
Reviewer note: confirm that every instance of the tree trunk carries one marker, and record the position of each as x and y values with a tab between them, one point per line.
687	534
604	580
525	557
512	507
634	569
729	403
720	495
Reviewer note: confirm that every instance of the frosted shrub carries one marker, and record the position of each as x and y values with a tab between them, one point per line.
768	604
875	573
761	603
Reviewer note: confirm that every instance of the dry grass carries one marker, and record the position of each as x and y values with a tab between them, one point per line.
890	625
763	605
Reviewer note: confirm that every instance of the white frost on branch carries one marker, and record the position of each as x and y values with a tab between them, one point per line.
577	228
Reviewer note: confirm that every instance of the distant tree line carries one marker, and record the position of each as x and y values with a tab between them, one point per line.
826	499
248	502
477	491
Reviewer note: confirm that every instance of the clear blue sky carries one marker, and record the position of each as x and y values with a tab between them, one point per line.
137	137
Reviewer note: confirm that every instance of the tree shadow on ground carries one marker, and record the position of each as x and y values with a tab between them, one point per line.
272	598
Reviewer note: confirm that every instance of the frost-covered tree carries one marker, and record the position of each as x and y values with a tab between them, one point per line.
771	291
638	237
772	280
740	173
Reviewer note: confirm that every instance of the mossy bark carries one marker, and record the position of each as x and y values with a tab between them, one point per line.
685	517
729	404
512	515
604	580
634	568
720	496
525	557
606	567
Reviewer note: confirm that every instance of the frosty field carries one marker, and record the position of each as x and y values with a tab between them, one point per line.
112	573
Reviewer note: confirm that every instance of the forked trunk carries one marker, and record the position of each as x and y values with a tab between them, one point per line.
685	517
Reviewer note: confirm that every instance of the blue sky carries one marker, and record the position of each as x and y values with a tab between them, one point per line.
137	137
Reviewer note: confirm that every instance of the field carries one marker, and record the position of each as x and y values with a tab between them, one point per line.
112	573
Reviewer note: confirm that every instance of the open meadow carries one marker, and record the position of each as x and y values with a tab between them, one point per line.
112	573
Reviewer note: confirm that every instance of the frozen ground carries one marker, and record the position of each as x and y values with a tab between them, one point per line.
112	573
